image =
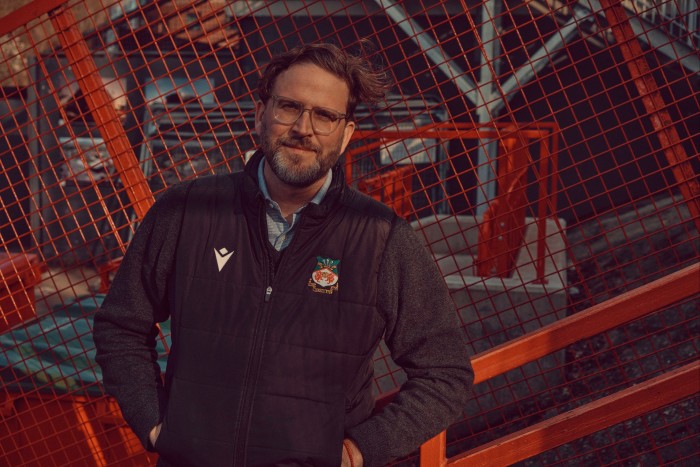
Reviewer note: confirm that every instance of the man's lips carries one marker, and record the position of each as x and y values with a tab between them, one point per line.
299	148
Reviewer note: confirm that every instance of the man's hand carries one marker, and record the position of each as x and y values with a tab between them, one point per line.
153	435
350	449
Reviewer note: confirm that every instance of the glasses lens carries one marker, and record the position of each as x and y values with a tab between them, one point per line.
287	111
324	121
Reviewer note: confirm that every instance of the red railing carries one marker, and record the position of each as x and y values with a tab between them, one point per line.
625	404
502	228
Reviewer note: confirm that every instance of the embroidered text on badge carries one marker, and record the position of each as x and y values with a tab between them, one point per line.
324	278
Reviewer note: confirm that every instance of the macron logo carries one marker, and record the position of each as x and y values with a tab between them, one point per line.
222	256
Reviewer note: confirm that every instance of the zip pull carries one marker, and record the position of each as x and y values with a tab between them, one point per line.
268	292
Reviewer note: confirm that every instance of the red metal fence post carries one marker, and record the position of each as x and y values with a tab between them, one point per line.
433	451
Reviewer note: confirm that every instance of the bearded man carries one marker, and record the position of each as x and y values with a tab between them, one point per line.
280	281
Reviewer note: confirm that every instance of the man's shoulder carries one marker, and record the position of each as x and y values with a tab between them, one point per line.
210	186
217	182
368	206
177	196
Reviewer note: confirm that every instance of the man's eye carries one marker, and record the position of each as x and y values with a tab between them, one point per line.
325	116
288	106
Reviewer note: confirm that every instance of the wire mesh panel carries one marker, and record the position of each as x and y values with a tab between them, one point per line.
546	152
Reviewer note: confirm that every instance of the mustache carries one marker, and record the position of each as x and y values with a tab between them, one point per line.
302	143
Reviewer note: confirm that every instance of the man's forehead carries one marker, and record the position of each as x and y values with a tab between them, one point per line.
312	85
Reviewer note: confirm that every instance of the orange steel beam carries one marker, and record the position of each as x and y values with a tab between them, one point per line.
100	105
594	320
655	105
582	421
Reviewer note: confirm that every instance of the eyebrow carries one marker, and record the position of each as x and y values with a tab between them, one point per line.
344	114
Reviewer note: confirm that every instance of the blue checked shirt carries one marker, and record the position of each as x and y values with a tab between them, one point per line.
279	231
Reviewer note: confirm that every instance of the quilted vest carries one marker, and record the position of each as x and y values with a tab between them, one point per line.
271	360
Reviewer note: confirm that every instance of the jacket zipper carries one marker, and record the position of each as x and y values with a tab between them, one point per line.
255	360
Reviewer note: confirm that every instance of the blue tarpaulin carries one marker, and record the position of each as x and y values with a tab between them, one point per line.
55	353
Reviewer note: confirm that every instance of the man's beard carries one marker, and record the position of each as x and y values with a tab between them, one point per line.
292	169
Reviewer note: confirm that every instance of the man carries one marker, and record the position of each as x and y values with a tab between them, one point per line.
280	282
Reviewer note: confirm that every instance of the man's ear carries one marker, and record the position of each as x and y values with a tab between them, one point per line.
259	111
347	134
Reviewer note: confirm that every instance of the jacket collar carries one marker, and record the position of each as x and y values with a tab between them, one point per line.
253	195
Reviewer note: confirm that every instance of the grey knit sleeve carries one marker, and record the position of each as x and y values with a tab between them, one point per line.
125	329
425	340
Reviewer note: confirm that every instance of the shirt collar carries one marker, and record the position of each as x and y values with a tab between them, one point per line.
315	200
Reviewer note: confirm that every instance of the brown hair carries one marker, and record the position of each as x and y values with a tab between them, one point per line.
365	83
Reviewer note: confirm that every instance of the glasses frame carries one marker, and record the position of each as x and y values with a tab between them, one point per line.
339	116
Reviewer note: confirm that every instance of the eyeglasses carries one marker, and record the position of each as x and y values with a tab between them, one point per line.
287	112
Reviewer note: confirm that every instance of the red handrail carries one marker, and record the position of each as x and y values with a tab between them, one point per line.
631	305
631	402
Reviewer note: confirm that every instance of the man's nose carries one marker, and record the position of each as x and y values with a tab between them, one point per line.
303	124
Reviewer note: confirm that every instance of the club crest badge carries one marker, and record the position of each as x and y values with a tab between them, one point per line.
324	278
